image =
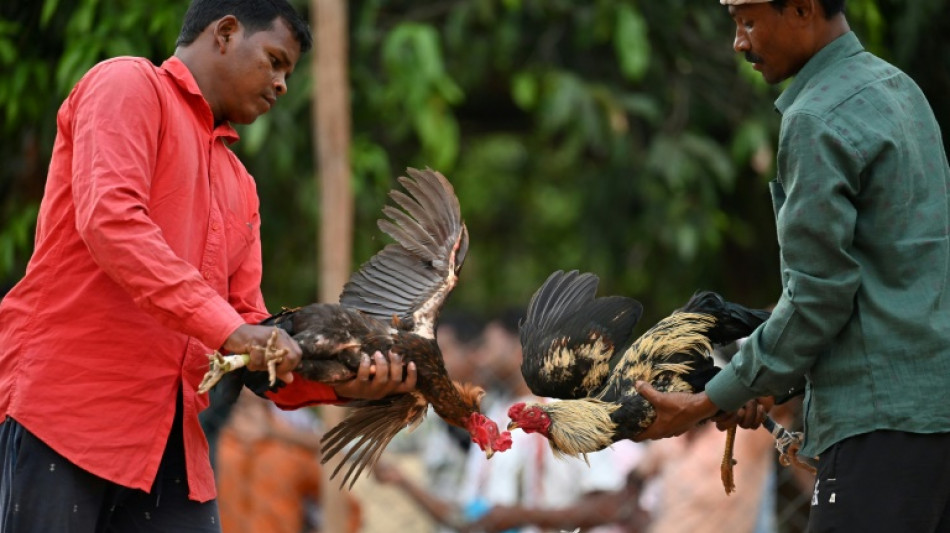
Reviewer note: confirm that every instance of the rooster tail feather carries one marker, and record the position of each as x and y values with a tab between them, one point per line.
733	321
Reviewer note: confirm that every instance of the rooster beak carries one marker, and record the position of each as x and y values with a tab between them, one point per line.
512	425
489	452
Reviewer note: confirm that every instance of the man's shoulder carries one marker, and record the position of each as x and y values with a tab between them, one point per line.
115	77
844	82
126	72
123	65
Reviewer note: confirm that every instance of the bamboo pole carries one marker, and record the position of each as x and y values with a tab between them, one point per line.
331	123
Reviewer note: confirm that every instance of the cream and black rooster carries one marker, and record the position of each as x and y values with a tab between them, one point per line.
391	304
580	348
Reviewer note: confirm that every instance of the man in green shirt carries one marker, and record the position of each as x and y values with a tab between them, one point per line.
863	321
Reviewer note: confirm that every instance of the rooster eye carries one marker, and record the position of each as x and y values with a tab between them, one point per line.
531	414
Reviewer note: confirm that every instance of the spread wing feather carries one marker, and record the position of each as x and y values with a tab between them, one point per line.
569	337
562	294
431	202
411	278
428	214
368	427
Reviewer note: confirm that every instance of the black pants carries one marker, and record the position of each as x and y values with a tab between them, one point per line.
40	491
884	481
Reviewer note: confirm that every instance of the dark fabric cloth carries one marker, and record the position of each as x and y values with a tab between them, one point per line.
884	481
40	491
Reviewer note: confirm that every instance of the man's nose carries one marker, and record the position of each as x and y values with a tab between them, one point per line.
741	43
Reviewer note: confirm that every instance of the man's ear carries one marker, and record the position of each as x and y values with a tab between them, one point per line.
804	9
223	30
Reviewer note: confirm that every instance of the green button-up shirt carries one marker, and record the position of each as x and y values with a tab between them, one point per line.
863	217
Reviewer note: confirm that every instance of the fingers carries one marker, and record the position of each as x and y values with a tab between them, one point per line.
388	378
647	391
384	369
292	354
379	376
749	416
726	421
261	342
409	384
676	412
365	371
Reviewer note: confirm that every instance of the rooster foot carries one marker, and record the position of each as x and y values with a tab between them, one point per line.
222	364
273	356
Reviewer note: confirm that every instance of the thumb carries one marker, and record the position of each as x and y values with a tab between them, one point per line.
645	389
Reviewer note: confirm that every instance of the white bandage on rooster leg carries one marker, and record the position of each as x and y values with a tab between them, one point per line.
221	365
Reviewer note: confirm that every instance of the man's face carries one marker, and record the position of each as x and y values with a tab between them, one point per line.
771	40
255	71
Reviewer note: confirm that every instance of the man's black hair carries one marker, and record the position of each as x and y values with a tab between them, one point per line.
831	7
254	15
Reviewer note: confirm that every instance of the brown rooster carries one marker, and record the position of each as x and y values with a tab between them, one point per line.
580	348
391	304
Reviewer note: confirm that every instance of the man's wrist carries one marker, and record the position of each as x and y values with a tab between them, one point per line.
704	406
727	392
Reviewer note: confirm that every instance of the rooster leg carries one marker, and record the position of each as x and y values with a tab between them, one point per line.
221	365
725	469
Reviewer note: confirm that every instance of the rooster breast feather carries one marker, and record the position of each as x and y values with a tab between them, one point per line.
569	338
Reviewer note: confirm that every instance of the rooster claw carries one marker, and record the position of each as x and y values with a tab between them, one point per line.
274	356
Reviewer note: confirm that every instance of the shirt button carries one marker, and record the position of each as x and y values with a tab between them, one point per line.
215	226
206	275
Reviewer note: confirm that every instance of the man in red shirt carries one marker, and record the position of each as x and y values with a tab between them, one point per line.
147	257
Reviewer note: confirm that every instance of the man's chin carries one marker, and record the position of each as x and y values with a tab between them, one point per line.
244	120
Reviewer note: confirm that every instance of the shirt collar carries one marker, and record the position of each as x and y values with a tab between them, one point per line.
186	82
844	46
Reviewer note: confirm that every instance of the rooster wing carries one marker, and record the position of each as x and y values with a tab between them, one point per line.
406	284
411	278
569	337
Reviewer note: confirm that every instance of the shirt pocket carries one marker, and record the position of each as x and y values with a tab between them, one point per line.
240	235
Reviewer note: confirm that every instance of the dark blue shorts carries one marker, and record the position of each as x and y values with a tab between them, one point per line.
886	481
40	491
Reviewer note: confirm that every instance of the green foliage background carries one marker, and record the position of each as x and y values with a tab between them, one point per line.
620	137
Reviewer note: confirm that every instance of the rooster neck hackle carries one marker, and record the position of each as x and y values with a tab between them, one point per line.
580	426
464	400
677	333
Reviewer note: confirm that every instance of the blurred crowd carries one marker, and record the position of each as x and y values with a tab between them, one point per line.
433	479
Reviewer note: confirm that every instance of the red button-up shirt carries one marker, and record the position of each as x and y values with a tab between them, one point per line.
147	256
